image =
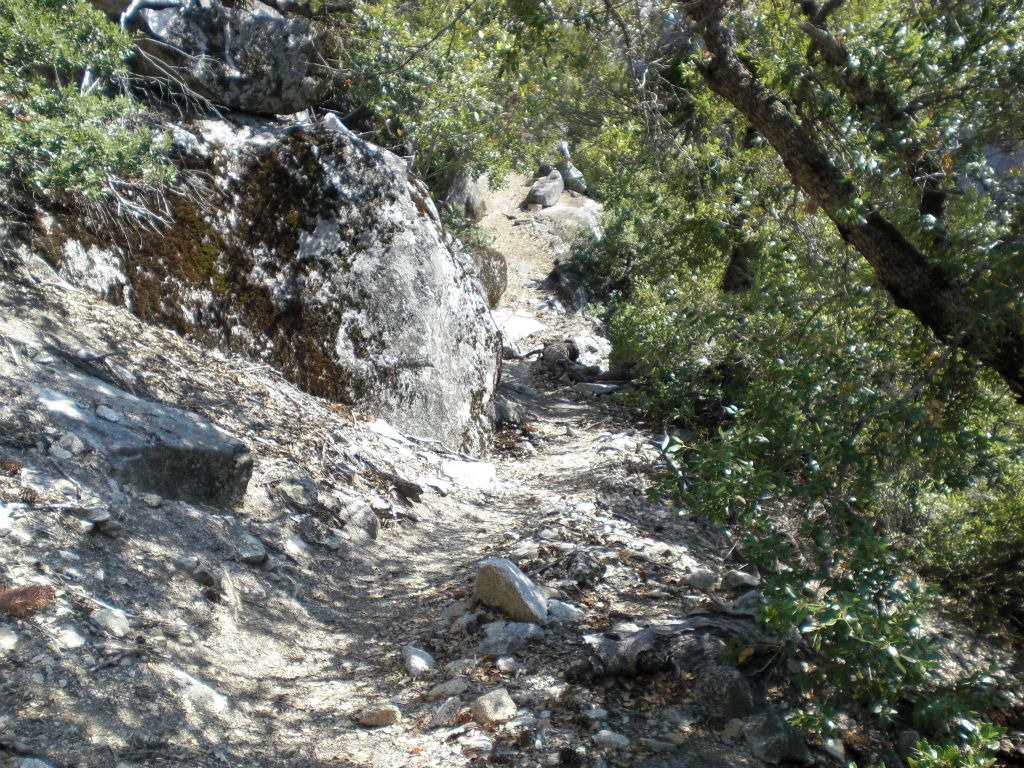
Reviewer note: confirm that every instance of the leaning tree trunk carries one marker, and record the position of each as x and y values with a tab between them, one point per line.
925	289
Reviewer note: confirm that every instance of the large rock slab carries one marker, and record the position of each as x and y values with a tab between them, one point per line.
247	57
156	448
322	256
501	585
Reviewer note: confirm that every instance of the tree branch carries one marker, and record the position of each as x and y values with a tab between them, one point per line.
951	313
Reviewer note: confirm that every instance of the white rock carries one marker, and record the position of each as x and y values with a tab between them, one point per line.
494	707
70	638
111	620
607	738
567	613
417	661
447	714
476	742
501	585
8	639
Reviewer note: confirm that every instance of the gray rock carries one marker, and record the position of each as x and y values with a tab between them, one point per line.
723	692
906	742
447	714
417	661
463	196
358	517
595	389
701	578
773	740
566	613
24	762
493	708
501	585
735	580
545	192
504	638
611	739
379	716
248	58
251	550
454	687
299	491
113	621
572	177
152	446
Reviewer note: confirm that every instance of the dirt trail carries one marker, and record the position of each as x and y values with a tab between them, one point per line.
275	670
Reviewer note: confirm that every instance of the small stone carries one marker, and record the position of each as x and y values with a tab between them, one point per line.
476	742
108	414
774	740
111	620
70	638
59	453
735	580
595	714
8	639
508	666
501	585
251	550
566	613
447	714
493	708
723	692
453	687
701	578
377	717
611	739
417	661
152	500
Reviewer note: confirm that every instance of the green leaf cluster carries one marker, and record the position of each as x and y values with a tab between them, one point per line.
63	127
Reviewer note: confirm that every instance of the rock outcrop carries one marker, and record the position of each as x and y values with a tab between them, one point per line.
250	58
319	254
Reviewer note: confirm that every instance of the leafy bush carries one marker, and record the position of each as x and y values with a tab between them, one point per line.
61	129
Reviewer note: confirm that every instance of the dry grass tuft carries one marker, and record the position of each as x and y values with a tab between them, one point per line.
25	602
9	466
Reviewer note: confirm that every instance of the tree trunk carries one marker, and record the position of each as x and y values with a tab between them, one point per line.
926	290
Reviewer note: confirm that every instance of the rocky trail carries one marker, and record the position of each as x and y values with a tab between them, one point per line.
328	618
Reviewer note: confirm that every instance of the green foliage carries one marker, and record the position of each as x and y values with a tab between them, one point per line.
61	132
806	407
975	743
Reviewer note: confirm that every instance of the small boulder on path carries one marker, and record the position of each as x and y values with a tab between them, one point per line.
378	716
546	191
502	586
494	707
417	661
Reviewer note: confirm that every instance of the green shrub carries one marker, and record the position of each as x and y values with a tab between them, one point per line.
63	129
